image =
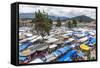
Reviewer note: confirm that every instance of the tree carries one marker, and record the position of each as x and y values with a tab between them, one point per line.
74	23
42	23
58	22
69	24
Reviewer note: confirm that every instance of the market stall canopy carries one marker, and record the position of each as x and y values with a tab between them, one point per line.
20	44
64	36
24	46
22	58
92	33
84	47
52	40
83	39
25	52
64	59
64	49
80	54
24	40
59	42
42	48
68	34
51	59
21	36
80	29
28	34
69	31
32	37
57	53
80	35
38	60
21	30
67	56
69	40
91	41
52	46
29	38
35	39
50	56
50	36
32	49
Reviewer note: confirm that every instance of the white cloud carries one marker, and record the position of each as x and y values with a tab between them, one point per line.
58	11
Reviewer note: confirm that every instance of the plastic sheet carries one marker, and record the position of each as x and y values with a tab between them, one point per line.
24	45
67	56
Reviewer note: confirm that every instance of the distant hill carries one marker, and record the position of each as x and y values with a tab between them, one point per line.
81	18
26	15
30	16
56	17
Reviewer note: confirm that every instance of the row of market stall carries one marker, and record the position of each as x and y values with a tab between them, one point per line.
74	45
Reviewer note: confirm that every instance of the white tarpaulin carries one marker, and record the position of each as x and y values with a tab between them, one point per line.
38	60
51	40
83	39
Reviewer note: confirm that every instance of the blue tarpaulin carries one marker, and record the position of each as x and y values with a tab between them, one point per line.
67	42
91	41
64	49
80	54
22	58
68	59
57	53
61	50
24	45
67	56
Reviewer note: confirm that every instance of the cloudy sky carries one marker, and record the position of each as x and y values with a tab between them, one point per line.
58	11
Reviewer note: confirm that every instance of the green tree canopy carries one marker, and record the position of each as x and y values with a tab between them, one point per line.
69	24
74	23
42	23
58	22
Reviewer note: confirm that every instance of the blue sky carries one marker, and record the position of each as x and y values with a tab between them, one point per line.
58	11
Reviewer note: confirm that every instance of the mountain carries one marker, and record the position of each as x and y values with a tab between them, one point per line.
31	15
26	15
63	18
83	18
